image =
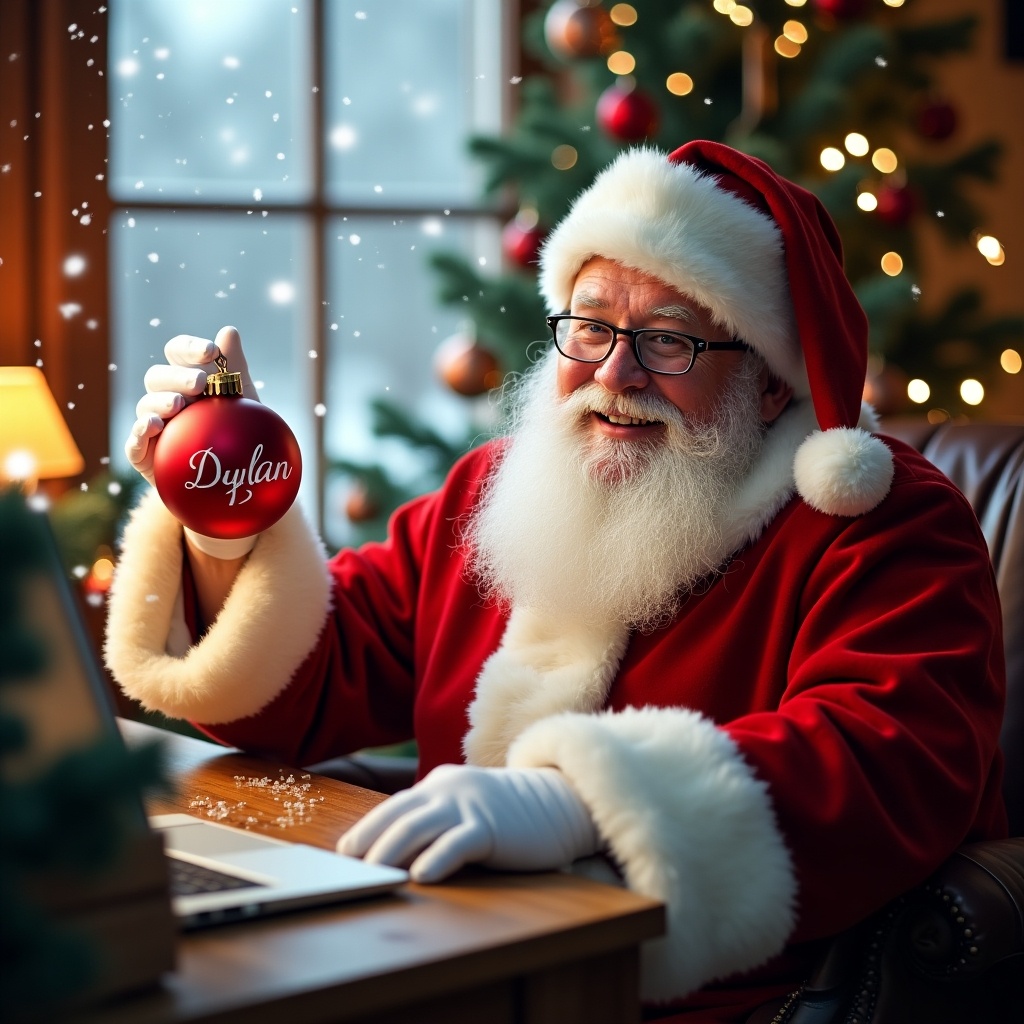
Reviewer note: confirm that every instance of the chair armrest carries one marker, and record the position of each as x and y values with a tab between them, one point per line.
974	916
950	951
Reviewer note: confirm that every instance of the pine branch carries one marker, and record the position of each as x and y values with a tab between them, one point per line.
941	187
507	310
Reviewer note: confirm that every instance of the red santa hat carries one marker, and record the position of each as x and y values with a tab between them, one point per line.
765	257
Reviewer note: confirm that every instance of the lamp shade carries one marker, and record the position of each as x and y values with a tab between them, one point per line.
35	442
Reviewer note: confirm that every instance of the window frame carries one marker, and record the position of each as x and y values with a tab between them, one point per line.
54	202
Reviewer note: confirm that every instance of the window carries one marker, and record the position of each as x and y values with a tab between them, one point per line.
286	166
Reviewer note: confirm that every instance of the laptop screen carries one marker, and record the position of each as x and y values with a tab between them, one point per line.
64	705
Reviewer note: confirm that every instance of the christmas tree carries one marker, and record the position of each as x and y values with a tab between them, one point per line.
838	95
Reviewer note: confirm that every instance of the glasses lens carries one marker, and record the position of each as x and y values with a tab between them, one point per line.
579	338
665	351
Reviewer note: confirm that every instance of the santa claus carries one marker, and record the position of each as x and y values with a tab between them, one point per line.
692	626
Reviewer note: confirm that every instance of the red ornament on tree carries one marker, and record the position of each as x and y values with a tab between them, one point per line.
936	120
844	10
467	367
360	506
227	466
575	28
627	114
521	239
895	205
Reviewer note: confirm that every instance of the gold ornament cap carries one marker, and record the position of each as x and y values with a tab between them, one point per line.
223	382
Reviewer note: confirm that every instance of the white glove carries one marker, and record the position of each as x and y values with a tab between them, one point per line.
172	386
519	819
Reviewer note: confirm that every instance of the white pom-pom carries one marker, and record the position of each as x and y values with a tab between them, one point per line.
843	472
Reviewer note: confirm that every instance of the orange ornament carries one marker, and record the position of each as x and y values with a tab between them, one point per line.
466	366
360	506
575	28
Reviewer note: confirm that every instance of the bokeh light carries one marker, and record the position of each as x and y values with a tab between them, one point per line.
832	159
918	391
884	160
971	391
892	263
679	84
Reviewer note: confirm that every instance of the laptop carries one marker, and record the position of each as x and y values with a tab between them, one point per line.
218	873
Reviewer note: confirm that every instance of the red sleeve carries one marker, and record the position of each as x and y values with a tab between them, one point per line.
883	755
357	688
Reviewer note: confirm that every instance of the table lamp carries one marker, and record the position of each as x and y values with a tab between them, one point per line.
35	443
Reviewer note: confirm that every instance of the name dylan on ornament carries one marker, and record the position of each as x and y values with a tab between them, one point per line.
209	473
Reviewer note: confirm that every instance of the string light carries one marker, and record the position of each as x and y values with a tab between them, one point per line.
856	144
623	14
888	3
679	84
892	264
971	391
795	32
622	63
785	47
867	201
741	16
918	391
990	248
564	157
832	159
724	6
796	3
884	160
1010	360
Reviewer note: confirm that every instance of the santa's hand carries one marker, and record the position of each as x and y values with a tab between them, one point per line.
519	819
173	385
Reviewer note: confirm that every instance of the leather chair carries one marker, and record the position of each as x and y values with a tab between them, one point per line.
952	950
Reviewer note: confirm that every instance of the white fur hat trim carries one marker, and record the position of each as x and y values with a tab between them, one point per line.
674	222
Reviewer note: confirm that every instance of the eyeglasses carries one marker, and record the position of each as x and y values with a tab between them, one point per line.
660	351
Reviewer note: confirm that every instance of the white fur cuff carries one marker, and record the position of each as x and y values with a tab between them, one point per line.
690	824
269	623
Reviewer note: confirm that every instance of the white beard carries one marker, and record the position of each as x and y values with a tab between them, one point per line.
601	530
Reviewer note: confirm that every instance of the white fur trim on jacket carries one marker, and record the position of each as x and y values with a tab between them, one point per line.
674	222
269	623
690	824
544	665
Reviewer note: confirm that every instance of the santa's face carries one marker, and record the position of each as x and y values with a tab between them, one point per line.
632	299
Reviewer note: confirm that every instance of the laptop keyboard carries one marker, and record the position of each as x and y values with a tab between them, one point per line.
187	879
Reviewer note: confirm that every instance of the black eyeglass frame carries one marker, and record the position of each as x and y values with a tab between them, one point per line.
699	344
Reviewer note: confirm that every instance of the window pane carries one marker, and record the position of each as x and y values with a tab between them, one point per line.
384	325
406	82
211	101
192	274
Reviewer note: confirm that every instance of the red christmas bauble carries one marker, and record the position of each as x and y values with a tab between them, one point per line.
895	205
521	241
936	120
627	115
467	367
841	9
575	29
227	466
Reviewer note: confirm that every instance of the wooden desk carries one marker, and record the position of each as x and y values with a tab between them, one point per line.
484	947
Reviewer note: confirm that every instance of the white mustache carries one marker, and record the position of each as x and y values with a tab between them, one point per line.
594	398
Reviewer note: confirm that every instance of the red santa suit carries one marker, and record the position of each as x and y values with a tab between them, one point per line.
812	734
